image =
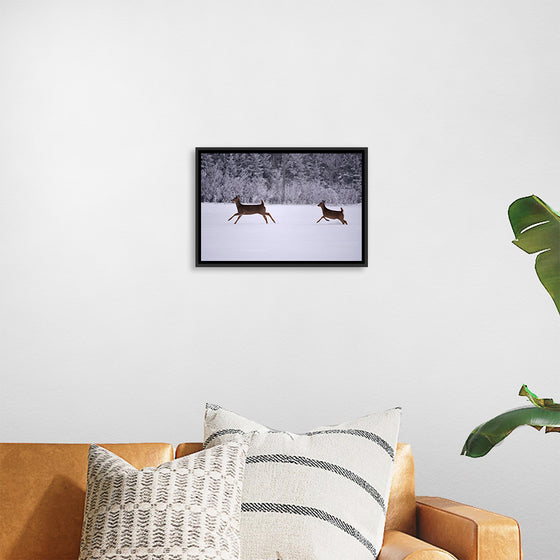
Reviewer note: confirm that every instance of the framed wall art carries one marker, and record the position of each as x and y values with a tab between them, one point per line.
281	207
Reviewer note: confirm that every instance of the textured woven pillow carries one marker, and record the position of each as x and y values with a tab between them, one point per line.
321	495
187	509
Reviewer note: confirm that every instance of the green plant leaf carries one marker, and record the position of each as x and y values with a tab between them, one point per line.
537	401
536	227
483	438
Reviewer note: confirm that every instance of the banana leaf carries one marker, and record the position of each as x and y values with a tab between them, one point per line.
543	413
537	401
536	227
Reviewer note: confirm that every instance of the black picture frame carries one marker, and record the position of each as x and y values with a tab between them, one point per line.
219	246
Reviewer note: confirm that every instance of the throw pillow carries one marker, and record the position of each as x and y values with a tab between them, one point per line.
185	509
313	496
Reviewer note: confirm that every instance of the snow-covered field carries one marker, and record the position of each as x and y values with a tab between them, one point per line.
294	237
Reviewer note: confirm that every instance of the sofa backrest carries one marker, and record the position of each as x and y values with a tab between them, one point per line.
401	510
42	493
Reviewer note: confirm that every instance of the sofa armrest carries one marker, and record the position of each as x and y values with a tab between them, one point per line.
401	546
467	532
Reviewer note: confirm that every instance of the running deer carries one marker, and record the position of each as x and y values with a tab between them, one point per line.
246	209
331	214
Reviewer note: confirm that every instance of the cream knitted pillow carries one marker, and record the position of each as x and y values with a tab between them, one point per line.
187	509
321	495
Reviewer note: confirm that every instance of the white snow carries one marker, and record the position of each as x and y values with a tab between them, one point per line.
294	237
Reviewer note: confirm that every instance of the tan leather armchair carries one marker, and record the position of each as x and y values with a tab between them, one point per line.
42	495
423	528
42	492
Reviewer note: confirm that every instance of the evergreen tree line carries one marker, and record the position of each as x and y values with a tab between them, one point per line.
281	177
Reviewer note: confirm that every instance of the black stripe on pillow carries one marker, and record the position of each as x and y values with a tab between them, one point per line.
312	512
315	463
221	433
360	433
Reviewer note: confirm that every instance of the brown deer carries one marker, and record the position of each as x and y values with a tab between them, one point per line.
247	209
332	214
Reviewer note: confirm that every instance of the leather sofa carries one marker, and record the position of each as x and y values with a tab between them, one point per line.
42	492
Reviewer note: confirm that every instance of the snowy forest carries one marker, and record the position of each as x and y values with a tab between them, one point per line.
281	177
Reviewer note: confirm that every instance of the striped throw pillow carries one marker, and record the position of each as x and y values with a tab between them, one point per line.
187	509
316	496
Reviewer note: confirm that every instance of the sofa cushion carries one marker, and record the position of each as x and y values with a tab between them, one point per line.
42	492
186	509
322	494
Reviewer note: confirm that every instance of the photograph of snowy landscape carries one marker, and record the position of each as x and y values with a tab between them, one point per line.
281	206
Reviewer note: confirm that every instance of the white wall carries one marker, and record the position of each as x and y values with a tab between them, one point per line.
109	333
